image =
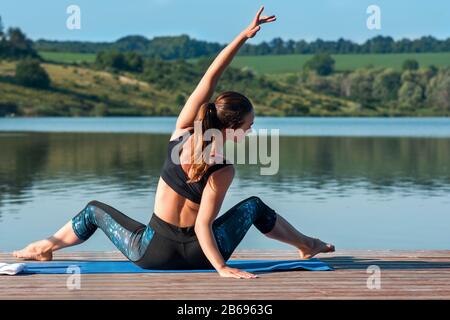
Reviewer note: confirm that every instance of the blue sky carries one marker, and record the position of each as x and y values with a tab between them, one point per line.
108	20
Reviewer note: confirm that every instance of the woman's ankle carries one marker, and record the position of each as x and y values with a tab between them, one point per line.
306	244
46	245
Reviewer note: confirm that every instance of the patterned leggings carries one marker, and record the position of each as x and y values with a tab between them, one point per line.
161	245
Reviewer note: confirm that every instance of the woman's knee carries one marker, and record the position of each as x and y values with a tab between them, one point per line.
83	224
266	218
257	201
93	203
253	199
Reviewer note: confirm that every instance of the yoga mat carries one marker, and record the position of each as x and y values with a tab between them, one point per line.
64	267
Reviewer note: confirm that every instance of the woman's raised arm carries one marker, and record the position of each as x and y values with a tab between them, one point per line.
205	88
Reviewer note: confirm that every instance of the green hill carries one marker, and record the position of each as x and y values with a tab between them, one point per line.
80	91
273	64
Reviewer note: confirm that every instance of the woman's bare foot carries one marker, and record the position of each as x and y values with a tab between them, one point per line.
39	250
316	247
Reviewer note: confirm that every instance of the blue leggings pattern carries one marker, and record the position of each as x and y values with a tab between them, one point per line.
230	228
133	238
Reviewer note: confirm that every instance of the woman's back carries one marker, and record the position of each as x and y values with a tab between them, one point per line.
177	202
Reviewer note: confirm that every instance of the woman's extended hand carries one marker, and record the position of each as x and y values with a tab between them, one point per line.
228	272
254	27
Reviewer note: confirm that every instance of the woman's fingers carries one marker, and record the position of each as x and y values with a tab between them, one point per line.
238	274
257	17
258	14
245	274
267	19
254	26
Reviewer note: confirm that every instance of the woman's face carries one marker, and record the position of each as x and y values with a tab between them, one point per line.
239	133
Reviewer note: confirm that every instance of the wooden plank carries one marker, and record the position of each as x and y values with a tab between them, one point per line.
404	275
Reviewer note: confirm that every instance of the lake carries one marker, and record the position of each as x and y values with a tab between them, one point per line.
360	183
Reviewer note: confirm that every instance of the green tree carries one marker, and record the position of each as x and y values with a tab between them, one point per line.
2	40
8	108
323	85
1	28
378	44
386	85
410	96
133	62
18	45
433	69
360	86
298	109
276	102
438	91
100	110
30	73
180	100
322	64
277	45
410	64
110	59
113	59
421	76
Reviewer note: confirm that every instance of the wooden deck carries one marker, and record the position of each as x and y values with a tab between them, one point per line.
404	275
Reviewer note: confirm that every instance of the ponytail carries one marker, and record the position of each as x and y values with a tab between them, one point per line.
209	120
227	111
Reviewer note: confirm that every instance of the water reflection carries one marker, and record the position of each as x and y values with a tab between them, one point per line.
58	162
73	168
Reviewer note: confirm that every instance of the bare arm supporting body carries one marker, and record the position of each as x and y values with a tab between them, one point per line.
212	198
211	202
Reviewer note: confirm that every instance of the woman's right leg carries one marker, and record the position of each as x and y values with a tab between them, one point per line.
42	250
129	236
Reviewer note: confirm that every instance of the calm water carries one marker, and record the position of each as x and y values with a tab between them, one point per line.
359	183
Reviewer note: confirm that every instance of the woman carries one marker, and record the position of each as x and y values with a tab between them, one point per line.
183	232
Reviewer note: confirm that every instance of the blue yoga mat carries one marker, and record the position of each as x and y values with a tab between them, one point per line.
64	267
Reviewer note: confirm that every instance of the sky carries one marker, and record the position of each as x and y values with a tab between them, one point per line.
221	21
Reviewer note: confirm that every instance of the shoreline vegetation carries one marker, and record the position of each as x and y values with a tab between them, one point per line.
126	82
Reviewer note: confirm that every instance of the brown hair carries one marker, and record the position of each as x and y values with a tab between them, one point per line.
227	111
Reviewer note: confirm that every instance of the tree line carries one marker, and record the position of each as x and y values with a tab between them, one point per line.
178	74
14	44
184	47
167	47
377	44
405	91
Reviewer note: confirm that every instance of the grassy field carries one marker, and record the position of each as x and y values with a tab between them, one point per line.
67	57
274	64
278	64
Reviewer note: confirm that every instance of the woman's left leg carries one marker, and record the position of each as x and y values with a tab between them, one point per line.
230	228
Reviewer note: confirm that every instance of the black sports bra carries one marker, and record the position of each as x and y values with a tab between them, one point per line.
174	175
